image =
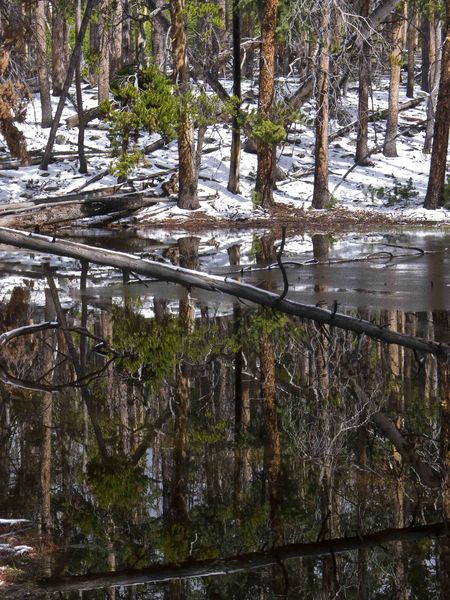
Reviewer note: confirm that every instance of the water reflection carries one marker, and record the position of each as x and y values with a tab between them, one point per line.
196	434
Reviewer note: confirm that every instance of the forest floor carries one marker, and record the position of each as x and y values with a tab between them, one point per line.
387	193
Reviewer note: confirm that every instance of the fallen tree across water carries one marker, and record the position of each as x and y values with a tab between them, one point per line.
214	283
242	562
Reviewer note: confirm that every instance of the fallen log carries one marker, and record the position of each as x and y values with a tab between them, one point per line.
377	115
89	115
237	289
50	215
243	562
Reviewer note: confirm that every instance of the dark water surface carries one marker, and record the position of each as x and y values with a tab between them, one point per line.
187	427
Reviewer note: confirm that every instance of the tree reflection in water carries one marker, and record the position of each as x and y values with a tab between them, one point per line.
196	435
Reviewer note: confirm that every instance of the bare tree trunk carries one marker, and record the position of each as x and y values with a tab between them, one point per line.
103	66
435	192
362	148
433	76
59	48
442	322
425	39
115	57
411	37
80	111
233	179
47	427
390	143
187	178
41	62
321	194
126	34
265	174
159	40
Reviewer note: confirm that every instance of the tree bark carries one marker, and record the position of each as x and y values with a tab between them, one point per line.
390	140
103	65
321	194
41	62
233	178
435	192
80	111
187	178
265	174
411	47
59	48
362	148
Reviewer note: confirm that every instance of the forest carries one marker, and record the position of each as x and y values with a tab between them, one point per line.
224	299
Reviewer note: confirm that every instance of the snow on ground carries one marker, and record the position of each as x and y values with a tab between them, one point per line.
359	189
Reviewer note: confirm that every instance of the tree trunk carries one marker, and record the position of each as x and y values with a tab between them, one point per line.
426	31
433	75
436	181
41	62
411	48
187	178
362	148
103	66
233	179
126	34
80	111
265	174
115	57
390	143
159	40
321	194
59	48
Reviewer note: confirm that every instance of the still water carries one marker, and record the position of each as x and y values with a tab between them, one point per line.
161	426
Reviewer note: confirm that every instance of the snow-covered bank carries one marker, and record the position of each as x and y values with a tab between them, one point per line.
390	189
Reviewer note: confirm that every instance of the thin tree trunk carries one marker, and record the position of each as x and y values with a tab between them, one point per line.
104	66
425	39
390	140
321	194
411	47
126	34
80	111
59	48
233	179
362	148
41	62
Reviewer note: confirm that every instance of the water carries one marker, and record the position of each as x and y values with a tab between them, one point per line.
204	428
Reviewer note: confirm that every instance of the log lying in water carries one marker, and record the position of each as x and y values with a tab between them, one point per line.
242	562
237	289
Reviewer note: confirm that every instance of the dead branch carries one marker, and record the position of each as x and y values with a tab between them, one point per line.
427	475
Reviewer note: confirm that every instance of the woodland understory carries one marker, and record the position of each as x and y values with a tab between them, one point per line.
271	74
